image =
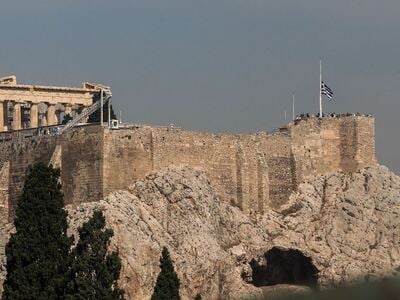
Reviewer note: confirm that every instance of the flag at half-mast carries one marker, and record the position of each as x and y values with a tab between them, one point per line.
325	90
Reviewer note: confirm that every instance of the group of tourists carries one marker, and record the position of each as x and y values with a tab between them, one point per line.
330	115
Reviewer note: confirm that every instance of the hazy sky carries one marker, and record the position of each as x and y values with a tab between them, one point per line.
220	65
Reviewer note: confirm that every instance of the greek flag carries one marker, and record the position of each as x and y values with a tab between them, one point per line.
325	90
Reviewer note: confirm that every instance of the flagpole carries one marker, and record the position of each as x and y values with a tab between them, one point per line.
320	83
293	108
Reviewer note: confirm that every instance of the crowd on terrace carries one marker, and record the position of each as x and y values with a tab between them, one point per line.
330	115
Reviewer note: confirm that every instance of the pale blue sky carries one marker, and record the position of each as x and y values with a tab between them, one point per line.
221	65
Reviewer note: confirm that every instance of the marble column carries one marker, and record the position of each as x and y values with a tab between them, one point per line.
68	109
51	115
17	116
34	115
44	120
2	115
4	125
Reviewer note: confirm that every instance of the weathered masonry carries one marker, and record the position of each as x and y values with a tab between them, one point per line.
255	172
29	106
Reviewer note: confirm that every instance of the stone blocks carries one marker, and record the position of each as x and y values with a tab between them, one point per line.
255	172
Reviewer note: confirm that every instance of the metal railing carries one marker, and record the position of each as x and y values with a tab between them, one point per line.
105	97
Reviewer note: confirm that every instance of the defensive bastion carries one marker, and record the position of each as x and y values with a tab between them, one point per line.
253	171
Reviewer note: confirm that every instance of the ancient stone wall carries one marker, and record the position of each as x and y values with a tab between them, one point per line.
4	192
237	164
82	164
78	153
281	168
20	154
236	167
365	154
127	156
252	171
325	145
6	150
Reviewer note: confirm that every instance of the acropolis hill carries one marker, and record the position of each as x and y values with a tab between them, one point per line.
252	171
242	215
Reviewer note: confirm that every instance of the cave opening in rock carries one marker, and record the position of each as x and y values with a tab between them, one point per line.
284	266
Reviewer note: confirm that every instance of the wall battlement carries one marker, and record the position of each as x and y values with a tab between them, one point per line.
255	172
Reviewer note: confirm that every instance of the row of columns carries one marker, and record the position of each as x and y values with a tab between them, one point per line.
50	120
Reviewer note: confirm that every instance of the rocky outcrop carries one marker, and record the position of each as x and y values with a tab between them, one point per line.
345	226
177	208
348	224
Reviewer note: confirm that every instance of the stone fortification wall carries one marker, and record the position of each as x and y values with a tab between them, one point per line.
16	157
330	144
365	154
82	164
236	163
79	154
281	168
4	184
127	156
252	171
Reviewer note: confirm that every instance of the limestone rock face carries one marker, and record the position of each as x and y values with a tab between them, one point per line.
178	208
348	224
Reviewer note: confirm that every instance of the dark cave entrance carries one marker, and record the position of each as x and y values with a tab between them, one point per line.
284	266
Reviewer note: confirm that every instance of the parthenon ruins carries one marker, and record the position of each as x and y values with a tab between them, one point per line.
29	106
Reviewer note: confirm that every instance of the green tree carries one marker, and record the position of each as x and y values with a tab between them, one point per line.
167	284
38	252
94	272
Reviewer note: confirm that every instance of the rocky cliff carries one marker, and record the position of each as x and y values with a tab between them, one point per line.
335	229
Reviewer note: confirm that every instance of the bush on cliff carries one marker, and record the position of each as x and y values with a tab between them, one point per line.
38	252
94	272
167	285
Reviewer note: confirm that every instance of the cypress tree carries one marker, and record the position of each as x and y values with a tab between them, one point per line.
38	252
167	284
94	272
